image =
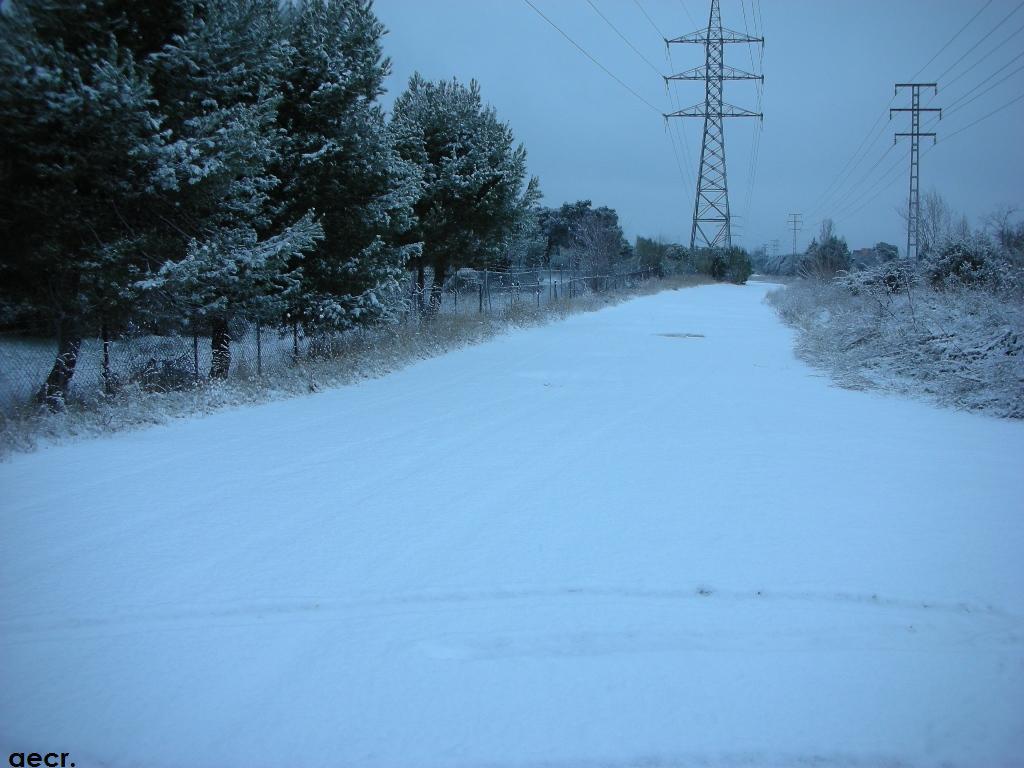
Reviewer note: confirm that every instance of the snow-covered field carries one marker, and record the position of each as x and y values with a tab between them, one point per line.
646	536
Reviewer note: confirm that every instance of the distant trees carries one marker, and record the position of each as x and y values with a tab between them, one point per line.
826	256
652	255
474	189
181	163
731	265
584	238
526	245
880	253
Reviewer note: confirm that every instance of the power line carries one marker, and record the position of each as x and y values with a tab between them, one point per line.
895	171
886	182
672	139
856	159
677	105
868	193
623	37
685	178
950	41
959	102
983	39
688	14
584	51
984	117
647	16
990	52
755	140
955	106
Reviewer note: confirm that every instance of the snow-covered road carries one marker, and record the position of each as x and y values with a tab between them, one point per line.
643	536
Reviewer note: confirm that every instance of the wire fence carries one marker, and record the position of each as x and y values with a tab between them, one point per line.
148	360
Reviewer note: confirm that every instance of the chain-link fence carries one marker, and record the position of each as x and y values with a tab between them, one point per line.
150	361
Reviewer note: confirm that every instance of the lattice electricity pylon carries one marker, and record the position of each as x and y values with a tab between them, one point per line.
914	204
712	223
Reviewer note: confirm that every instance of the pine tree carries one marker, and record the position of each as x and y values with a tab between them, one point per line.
339	158
83	154
474	186
223	253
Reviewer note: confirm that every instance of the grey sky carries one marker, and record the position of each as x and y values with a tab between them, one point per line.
829	70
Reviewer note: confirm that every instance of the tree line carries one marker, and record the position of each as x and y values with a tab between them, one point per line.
175	164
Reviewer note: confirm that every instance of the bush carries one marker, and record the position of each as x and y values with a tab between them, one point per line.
725	265
961	347
890	277
963	260
825	260
737	266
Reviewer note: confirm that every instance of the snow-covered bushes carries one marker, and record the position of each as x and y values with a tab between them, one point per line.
826	256
731	265
965	259
890	327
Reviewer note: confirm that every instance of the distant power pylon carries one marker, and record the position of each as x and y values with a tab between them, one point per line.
712	224
914	204
797	223
775	248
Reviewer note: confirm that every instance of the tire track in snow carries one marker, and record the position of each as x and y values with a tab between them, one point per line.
355	607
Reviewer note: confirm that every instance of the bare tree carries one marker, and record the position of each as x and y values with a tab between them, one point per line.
598	246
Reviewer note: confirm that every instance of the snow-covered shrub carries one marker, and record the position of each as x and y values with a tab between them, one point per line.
736	267
824	260
889	277
730	264
970	259
960	345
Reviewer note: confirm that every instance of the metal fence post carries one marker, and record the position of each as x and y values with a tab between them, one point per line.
195	353
108	379
259	348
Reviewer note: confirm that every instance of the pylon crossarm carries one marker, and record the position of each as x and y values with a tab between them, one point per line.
699	110
728	110
728	73
732	36
700	36
695	111
728	36
932	136
933	86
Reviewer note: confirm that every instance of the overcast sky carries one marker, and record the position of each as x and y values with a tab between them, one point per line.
829	68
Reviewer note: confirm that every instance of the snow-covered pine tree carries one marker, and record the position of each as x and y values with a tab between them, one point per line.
474	188
339	159
84	155
224	253
526	244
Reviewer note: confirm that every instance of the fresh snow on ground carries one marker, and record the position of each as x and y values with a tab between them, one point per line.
643	536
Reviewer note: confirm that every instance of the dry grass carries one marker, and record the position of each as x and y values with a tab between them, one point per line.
364	354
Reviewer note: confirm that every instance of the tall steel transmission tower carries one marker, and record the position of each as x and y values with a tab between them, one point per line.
712	223
914	204
796	221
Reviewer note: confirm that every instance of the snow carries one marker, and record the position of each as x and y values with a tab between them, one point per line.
583	544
